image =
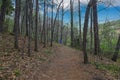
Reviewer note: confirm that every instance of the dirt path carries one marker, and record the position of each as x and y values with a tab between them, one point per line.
51	63
66	65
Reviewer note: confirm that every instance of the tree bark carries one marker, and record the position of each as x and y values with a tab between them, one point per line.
85	31
30	10
61	36
53	24
44	27
16	22
2	14
79	13
91	31
71	11
36	26
115	56
26	7
96	34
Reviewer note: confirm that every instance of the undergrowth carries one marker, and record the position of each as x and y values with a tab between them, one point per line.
114	69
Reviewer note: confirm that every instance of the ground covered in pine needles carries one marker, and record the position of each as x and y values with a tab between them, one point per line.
51	63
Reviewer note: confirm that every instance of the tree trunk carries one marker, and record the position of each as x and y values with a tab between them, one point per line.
79	13
85	31
18	16
71	9
91	31
96	35
57	35
2	14
26	7
53	24
115	56
16	22
44	27
36	26
61	36
30	10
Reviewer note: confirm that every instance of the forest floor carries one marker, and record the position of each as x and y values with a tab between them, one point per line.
51	63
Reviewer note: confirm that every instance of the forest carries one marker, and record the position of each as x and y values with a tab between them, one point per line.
59	40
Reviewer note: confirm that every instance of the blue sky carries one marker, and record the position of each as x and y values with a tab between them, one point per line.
104	12
109	9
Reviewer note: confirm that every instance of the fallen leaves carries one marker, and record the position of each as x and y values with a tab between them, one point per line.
13	66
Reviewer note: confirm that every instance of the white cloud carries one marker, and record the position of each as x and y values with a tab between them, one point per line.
85	2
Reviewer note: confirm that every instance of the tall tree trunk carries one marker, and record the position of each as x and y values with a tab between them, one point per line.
2	14
30	6
85	31
26	23
36	26
47	24
115	56
91	31
79	12
96	35
51	27
18	16
71	9
44	26
16	22
61	36
57	35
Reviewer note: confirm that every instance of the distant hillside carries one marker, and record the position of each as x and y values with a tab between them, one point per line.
115	25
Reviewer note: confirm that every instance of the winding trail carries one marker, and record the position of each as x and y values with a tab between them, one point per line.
66	65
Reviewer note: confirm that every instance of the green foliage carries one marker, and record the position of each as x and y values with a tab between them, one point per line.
42	59
0	3
9	24
47	51
109	67
108	37
10	7
1	68
17	73
118	60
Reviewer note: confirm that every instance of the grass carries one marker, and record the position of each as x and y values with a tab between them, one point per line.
42	59
47	51
114	69
17	73
118	60
1	68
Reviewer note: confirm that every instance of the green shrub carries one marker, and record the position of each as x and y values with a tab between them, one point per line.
109	67
17	73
